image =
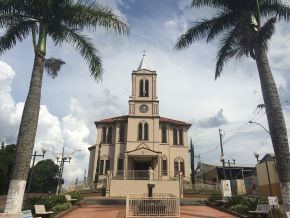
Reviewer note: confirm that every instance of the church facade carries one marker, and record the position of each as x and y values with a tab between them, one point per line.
129	145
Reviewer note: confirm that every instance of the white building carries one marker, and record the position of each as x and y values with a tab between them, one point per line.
132	143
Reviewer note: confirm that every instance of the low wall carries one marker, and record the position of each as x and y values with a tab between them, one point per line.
125	187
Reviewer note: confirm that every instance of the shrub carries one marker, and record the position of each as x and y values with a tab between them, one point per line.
76	195
240	208
60	207
49	202
234	200
252	203
276	213
215	197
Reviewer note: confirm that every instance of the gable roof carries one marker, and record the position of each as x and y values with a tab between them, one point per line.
125	118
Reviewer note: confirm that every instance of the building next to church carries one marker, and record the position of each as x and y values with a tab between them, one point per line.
132	143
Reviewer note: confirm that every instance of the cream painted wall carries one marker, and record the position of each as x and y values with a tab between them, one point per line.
124	187
262	173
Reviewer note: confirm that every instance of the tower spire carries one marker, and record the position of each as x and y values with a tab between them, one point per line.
144	63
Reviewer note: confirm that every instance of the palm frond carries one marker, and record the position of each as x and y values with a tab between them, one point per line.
195	33
221	23
15	33
209	3
227	50
266	31
275	8
82	44
88	14
52	66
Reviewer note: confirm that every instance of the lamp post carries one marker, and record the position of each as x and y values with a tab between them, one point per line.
61	159
267	169
266	162
229	163
44	150
250	121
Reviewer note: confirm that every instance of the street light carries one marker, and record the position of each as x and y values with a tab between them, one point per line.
267	169
222	159
229	163
250	121
44	150
61	159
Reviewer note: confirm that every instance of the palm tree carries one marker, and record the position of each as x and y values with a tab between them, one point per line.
63	22
243	33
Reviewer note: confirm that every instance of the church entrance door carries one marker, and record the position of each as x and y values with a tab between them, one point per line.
142	164
140	169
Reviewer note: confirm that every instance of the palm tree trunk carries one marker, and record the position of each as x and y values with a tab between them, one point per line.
276	122
26	138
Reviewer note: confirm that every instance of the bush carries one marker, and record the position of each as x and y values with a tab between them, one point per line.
215	197
76	195
60	207
234	200
240	208
49	202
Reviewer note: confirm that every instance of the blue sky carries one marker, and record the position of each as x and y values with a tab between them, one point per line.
185	85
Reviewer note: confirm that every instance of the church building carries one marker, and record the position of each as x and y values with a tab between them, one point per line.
130	144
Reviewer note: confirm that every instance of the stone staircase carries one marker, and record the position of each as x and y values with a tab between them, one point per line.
122	201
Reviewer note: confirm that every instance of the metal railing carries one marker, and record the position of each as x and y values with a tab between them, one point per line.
160	205
142	175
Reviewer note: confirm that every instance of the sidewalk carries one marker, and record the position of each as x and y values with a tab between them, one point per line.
110	211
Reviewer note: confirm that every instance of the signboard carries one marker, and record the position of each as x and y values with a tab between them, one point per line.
273	200
241	189
226	188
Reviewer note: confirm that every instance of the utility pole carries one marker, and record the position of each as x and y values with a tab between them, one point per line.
222	152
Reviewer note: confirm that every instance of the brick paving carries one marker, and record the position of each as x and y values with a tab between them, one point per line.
110	211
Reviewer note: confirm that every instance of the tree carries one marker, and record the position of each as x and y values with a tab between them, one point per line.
45	177
192	162
239	23
63	22
7	157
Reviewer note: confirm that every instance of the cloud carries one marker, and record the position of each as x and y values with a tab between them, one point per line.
214	121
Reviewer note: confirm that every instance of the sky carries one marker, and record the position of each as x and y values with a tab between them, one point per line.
186	87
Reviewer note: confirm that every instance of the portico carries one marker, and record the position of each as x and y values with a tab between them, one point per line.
138	161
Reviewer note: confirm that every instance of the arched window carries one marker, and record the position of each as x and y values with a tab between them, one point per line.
163	134
141	88
180	136
175	136
104	165
179	166
104	134
145	131
140	131
122	133
164	165
146	94
110	135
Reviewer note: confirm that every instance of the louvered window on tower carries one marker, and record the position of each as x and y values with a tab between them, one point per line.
104	134
122	133
110	135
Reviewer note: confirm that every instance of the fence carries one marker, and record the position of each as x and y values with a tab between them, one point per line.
201	187
143	175
160	205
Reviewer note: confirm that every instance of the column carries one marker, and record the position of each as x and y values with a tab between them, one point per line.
159	166
125	166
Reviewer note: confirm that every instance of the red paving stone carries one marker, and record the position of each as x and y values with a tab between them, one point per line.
106	211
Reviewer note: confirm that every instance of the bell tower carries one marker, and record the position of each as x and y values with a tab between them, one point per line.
143	101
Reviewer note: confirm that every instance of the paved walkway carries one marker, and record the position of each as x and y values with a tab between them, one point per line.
104	211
